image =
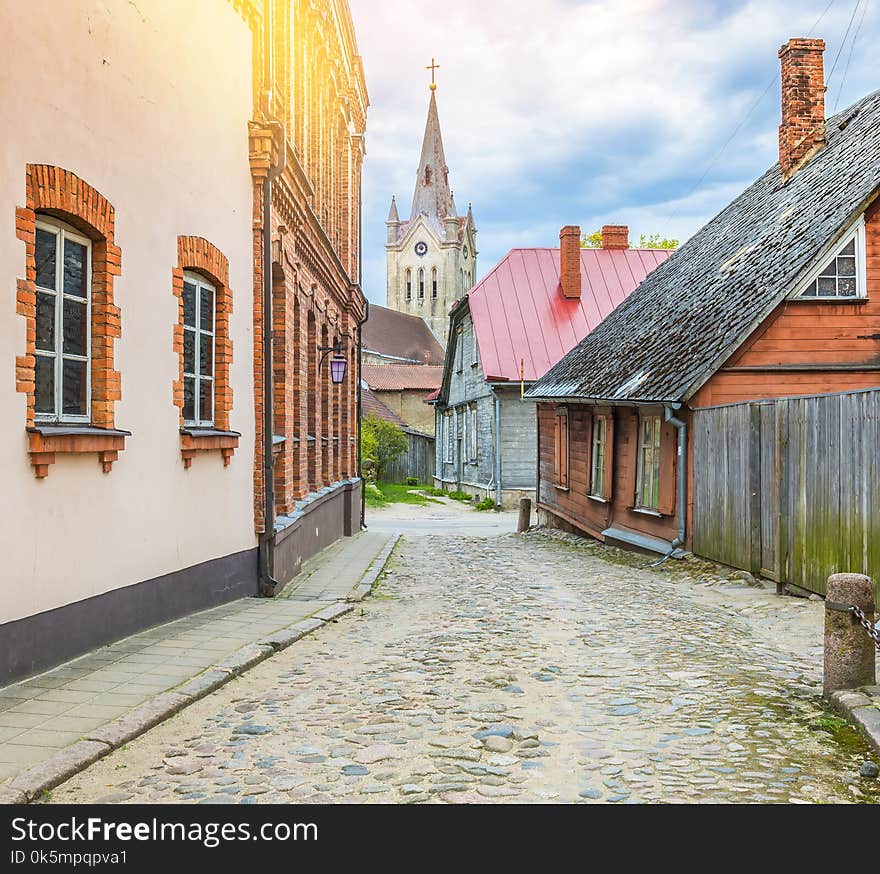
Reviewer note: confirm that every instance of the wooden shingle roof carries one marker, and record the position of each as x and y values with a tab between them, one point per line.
691	313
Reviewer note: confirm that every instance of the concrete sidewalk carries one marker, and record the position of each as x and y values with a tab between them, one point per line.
82	709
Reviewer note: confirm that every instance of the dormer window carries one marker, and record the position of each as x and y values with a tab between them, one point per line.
842	275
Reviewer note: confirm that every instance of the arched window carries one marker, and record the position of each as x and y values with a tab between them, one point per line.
63	320
462	279
421	284
409	284
198	350
428	175
434	283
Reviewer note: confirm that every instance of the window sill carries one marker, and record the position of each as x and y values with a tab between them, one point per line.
598	499
193	440
645	511
45	441
846	301
563	488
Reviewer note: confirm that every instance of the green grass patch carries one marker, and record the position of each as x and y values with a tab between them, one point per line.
485	504
382	494
458	496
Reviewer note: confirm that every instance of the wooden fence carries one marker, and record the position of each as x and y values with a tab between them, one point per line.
790	489
417	461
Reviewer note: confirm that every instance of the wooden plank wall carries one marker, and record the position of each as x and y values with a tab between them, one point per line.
791	487
417	461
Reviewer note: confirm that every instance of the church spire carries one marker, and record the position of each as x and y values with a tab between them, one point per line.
432	196
392	213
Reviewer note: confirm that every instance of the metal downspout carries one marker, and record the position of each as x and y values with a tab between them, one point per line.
497	449
359	405
268	585
681	501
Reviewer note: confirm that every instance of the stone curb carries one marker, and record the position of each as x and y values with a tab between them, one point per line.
28	785
368	580
58	768
139	720
244	659
860	709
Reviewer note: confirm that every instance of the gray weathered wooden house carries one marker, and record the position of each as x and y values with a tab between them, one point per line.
504	334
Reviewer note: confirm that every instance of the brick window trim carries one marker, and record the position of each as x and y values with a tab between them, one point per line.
198	255
59	193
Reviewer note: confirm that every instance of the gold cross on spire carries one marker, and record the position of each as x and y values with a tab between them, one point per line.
434	66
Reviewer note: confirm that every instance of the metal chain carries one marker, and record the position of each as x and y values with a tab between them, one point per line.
866	623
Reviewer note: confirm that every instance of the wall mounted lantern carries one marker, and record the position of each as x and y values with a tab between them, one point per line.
338	363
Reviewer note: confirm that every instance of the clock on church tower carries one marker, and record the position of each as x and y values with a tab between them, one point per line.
431	256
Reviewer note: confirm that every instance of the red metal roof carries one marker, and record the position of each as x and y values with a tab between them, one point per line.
402	377
519	312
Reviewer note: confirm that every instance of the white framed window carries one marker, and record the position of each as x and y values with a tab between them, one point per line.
448	438
464	418
472	434
648	470
842	275
434	283
64	323
459	350
597	460
421	284
199	298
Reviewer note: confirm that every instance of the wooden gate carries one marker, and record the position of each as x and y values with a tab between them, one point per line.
789	489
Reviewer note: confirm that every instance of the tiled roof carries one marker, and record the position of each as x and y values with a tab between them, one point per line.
520	315
372	406
402	377
401	336
695	310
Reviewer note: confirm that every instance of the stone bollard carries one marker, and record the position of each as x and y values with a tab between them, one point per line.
525	515
849	652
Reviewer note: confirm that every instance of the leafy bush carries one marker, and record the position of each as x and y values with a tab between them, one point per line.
458	496
435	492
412	480
486	504
381	443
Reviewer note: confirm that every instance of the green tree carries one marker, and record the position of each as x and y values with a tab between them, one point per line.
655	241
646	241
381	443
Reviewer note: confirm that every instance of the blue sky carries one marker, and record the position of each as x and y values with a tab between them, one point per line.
567	112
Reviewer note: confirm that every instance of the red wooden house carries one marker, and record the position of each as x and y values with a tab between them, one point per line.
777	296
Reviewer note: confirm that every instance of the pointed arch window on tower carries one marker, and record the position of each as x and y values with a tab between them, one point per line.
428	174
434	283
409	284
421	284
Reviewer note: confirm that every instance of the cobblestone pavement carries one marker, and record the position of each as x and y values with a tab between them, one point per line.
516	669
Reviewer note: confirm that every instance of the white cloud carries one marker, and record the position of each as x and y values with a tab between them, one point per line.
550	110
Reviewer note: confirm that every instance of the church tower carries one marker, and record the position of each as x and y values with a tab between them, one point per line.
432	256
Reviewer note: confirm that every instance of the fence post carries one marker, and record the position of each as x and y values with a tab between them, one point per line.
849	652
525	515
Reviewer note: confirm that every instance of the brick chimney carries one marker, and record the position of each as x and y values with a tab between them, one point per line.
802	132
570	261
615	237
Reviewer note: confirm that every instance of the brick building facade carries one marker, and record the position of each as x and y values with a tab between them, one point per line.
132	418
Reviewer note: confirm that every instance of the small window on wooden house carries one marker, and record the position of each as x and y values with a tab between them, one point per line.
464	420
63	323
648	468
472	431
598	457
448	439
843	275
561	448
409	285
459	350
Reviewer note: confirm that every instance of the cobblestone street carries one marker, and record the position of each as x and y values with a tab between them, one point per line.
516	669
